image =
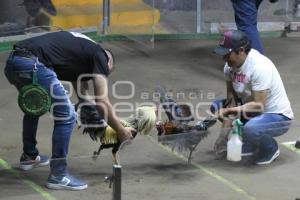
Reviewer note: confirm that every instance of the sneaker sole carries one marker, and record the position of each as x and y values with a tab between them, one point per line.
29	167
248	154
64	187
271	160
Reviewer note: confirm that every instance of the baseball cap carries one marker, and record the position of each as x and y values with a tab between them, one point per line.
232	40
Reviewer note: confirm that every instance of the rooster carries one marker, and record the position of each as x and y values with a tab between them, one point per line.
177	131
143	120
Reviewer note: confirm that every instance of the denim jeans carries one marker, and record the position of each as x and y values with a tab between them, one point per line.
18	71
258	131
245	13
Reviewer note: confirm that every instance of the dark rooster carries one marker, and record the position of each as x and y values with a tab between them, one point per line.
177	131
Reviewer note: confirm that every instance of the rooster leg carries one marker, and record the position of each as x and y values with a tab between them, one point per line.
190	157
97	153
115	158
29	21
115	153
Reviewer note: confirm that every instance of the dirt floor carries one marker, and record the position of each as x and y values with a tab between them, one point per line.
151	171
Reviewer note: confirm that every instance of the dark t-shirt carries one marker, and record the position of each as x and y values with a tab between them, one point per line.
68	54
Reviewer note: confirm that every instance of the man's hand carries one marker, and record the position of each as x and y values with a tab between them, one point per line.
127	134
225	114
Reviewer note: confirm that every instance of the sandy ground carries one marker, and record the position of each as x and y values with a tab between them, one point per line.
151	172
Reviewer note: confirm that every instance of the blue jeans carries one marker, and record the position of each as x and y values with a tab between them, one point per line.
245	13
258	131
18	71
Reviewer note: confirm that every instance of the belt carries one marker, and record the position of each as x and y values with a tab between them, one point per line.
23	53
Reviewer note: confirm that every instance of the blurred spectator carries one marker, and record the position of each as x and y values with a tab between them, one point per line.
245	13
36	17
33	7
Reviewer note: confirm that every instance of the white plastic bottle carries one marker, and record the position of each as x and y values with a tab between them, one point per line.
234	144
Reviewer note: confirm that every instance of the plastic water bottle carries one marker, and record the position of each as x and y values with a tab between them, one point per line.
234	144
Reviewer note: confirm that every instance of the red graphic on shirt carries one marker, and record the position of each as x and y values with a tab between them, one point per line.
239	77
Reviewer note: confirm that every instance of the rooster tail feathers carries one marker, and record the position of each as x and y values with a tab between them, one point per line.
109	137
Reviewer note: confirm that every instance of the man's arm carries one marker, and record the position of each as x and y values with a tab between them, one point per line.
81	89
255	106
231	95
231	102
104	105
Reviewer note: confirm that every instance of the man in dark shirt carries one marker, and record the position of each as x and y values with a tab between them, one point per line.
58	56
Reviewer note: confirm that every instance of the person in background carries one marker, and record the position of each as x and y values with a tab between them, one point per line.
245	13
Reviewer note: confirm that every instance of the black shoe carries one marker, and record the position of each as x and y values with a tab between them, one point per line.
28	162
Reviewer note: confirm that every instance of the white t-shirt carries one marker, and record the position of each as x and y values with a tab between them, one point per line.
256	74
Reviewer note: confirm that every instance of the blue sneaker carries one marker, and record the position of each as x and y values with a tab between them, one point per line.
268	158
29	162
65	182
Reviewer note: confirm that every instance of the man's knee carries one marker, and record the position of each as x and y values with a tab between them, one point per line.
64	114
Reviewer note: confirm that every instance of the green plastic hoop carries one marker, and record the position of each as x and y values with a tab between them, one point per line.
33	99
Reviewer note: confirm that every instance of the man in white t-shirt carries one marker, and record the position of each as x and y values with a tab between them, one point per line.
256	95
